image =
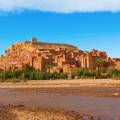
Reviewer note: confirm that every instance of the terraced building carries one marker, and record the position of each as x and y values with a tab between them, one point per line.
53	57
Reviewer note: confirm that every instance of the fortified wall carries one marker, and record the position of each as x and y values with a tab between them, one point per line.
52	57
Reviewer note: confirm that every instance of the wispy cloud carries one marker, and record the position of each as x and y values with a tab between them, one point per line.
61	6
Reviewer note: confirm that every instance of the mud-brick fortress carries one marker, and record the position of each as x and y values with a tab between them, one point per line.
52	57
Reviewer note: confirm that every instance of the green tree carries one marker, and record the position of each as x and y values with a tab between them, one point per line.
27	70
83	73
33	76
99	64
21	76
42	76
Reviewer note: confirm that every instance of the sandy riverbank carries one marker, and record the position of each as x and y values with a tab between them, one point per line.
63	83
29	113
87	98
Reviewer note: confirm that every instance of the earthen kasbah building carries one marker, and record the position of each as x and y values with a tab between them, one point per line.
52	57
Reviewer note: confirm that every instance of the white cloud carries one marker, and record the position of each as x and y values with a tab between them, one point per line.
62	6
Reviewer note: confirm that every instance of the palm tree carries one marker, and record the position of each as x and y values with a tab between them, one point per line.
99	64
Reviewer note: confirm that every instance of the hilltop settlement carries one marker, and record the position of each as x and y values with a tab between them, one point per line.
53	57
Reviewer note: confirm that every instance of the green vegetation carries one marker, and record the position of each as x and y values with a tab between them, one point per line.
29	73
83	74
113	73
110	73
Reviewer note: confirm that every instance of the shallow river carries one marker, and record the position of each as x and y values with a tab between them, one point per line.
107	108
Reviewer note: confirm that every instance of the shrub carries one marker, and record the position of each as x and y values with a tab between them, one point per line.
42	76
83	73
63	76
116	74
32	76
21	76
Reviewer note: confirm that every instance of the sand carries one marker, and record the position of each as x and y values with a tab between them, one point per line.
60	100
29	113
63	83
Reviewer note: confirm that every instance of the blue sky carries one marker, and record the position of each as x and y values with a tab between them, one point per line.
86	30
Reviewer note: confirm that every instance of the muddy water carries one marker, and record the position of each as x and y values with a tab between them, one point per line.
106	108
